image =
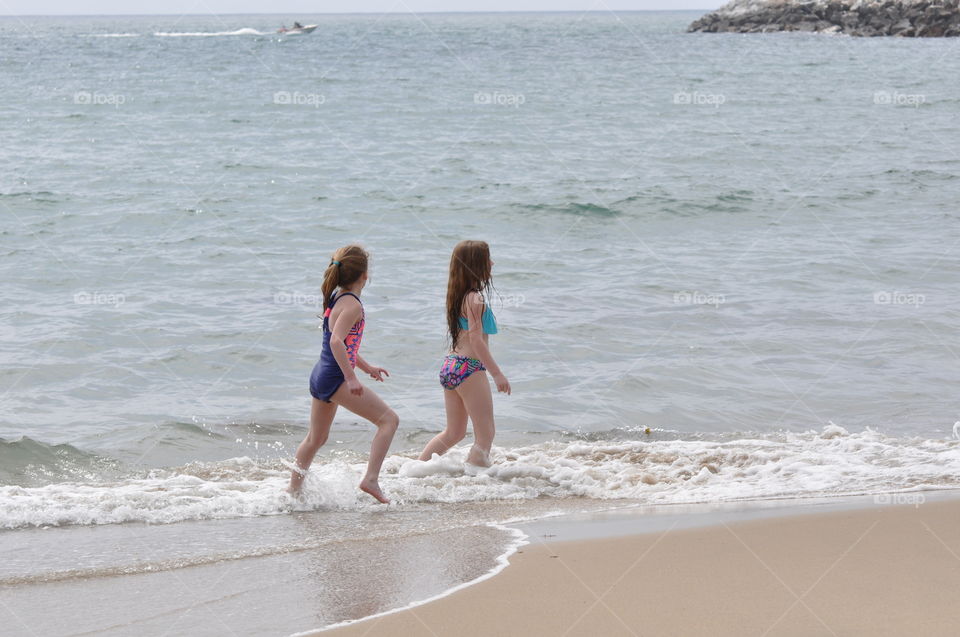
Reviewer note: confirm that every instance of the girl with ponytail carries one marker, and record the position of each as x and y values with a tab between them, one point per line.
463	374
334	382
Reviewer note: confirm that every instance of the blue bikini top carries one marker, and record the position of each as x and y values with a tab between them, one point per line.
488	320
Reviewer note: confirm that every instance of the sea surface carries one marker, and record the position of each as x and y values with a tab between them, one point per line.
726	269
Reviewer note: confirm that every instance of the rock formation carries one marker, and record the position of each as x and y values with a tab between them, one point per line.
905	18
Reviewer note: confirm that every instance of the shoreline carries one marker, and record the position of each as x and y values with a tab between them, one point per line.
593	537
503	561
314	570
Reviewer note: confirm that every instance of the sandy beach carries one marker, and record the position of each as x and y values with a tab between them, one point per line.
891	570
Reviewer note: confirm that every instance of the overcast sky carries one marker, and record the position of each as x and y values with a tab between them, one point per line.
312	7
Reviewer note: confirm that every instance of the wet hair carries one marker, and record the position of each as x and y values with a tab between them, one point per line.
469	272
347	265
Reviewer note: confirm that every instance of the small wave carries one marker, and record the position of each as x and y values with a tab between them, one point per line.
920	175
193	429
38	194
113	35
202	34
233	165
27	461
736	196
574	208
157	565
659	201
831	462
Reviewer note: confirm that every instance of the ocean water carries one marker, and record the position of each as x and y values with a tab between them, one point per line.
726	264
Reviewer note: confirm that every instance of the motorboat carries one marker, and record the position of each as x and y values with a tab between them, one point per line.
297	30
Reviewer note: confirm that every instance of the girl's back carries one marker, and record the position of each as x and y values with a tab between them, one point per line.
474	311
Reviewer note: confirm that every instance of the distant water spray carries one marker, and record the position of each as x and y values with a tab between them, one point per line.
202	34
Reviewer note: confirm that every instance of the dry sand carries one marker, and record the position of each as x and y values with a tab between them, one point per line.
879	571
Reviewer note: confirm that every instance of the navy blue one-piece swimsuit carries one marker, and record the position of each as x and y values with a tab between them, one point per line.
327	376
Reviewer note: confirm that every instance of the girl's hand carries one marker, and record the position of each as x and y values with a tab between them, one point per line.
354	386
503	385
377	373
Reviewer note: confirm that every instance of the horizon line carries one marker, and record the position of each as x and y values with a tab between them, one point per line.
209	14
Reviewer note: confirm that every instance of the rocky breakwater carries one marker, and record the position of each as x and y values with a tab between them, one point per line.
905	18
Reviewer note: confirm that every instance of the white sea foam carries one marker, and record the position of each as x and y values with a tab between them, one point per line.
830	462
205	34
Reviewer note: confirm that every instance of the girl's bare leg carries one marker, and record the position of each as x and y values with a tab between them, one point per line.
321	417
478	400
370	406
456	426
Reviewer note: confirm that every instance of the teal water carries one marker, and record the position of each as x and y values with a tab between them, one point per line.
719	237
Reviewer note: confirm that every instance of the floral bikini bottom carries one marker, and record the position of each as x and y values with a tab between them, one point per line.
456	369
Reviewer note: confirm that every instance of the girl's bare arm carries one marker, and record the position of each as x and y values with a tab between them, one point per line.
475	306
363	365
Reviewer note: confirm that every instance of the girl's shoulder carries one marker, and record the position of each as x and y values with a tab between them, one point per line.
473	304
345	301
473	298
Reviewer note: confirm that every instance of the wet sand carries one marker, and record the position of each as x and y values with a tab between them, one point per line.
274	575
882	570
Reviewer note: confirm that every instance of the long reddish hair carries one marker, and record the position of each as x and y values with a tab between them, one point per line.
469	272
348	264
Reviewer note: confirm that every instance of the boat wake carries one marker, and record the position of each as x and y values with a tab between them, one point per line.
210	34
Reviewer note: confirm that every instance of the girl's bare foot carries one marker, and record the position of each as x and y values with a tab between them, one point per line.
478	457
371	487
297	476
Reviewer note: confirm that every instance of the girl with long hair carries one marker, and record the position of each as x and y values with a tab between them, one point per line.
334	382
463	374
